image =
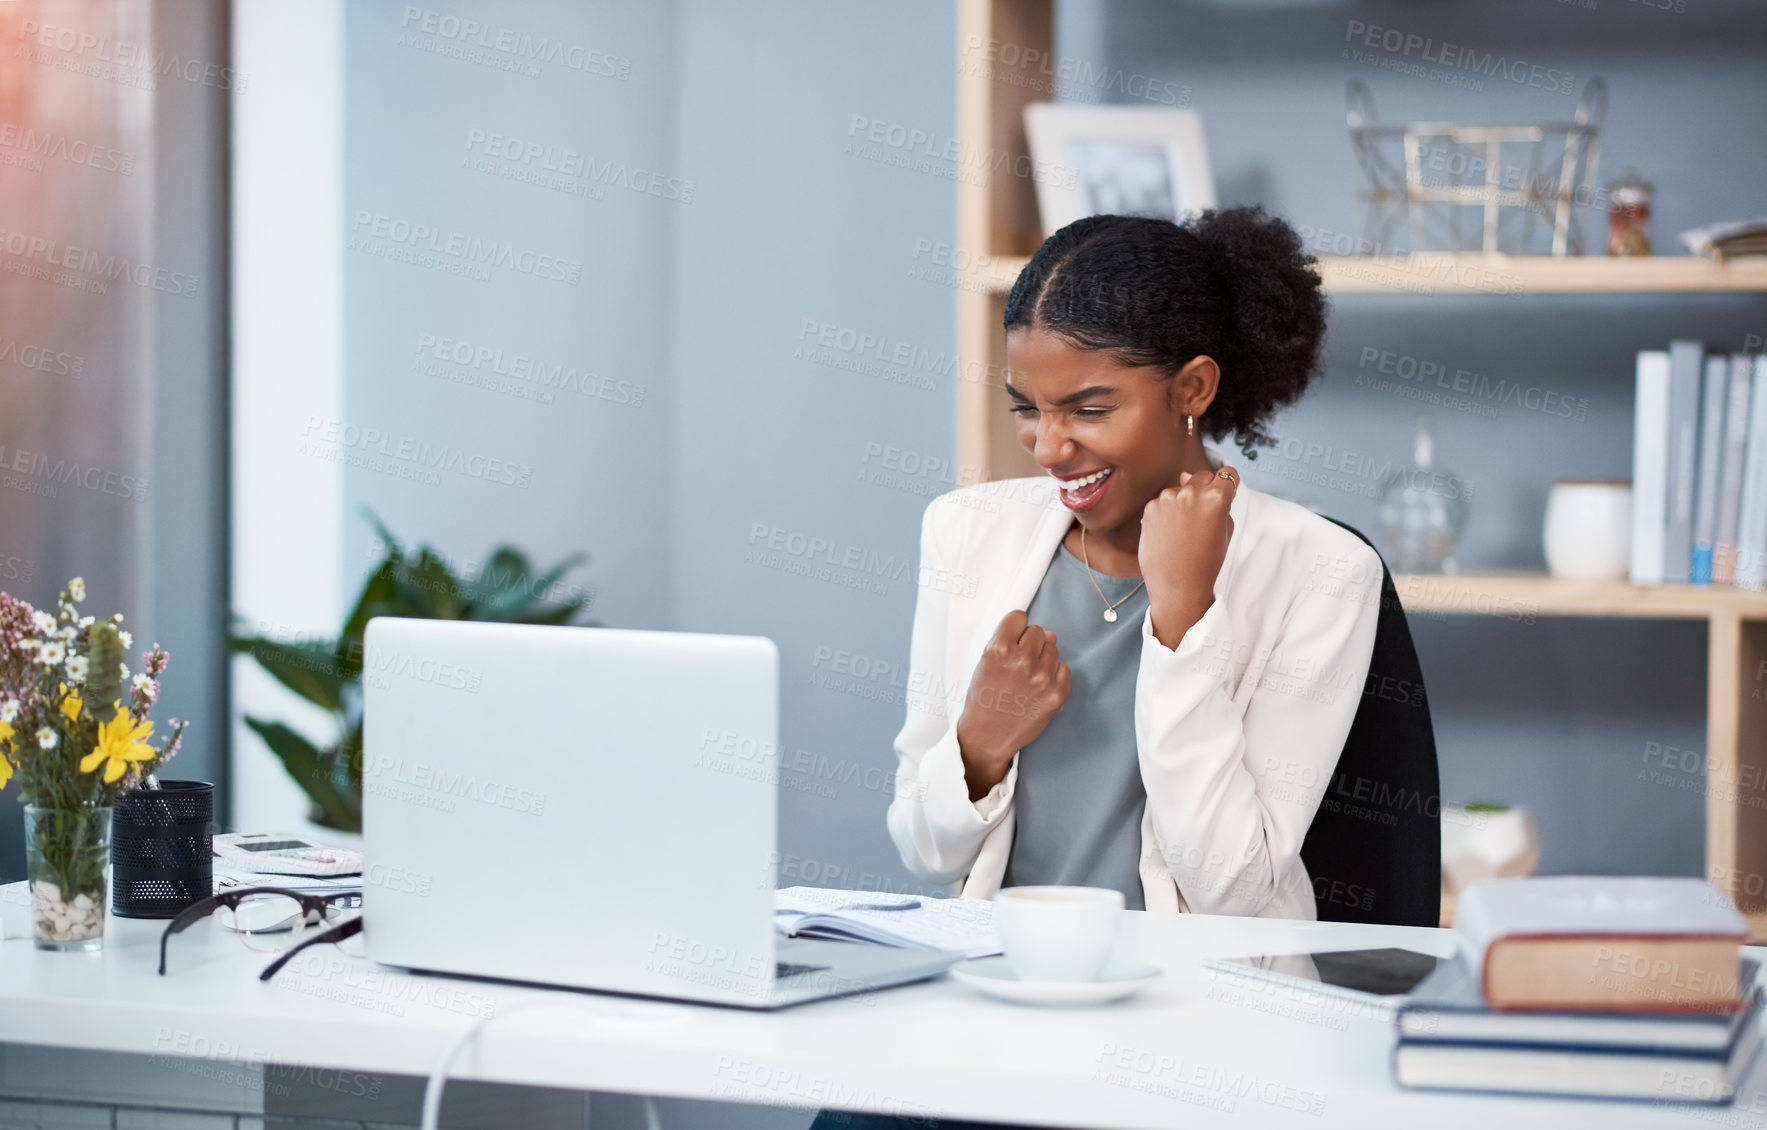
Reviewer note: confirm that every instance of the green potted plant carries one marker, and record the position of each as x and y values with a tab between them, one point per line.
328	672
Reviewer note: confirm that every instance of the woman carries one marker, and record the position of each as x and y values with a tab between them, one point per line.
1157	669
1158	666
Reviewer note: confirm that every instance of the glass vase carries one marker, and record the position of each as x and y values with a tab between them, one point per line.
67	858
1423	510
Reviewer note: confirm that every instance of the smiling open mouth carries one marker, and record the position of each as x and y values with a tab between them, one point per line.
1084	491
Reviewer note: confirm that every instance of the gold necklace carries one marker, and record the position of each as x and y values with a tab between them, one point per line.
1110	610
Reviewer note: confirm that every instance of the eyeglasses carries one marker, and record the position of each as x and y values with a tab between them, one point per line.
273	920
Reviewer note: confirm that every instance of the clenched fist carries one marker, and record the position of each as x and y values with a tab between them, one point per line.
1184	534
1018	684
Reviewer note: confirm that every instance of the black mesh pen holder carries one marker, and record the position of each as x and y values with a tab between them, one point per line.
161	849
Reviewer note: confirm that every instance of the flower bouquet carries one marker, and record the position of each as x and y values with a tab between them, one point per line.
74	731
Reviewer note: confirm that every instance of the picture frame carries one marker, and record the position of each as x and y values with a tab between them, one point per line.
1129	160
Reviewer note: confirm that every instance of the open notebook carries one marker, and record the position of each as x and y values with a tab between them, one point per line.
911	921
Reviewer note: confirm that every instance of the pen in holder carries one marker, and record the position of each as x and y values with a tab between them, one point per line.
161	849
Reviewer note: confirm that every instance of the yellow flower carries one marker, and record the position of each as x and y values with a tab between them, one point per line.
6	732
120	741
71	704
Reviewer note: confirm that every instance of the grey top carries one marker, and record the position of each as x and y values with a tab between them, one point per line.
1079	796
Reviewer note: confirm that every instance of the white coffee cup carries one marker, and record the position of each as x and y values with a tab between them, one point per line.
1588	530
1058	933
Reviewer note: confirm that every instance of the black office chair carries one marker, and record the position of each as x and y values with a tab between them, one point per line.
1374	850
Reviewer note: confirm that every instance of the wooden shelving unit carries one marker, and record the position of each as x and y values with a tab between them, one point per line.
998	227
1509	276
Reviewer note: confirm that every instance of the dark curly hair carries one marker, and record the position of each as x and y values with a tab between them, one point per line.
1234	284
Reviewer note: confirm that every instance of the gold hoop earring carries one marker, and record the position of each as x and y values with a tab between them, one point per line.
1190	425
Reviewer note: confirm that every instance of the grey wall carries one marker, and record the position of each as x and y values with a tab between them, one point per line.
1553	713
796	226
552	391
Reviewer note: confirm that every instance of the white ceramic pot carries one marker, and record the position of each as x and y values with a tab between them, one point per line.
1588	534
1487	845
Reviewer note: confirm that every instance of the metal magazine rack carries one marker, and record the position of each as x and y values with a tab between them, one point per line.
1433	175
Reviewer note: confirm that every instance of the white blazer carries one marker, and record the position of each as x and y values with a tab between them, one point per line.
1238	729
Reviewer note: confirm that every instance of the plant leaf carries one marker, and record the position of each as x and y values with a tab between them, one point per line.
309	668
381	589
550	614
429	588
501	579
528	605
312	770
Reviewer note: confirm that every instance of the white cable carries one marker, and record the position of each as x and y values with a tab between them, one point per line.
438	1076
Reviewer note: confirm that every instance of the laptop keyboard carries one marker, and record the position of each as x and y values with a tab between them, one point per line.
784	969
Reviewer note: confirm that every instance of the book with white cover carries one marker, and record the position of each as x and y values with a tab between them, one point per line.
1650	466
1586	906
1751	535
1736	435
1686	360
1714	386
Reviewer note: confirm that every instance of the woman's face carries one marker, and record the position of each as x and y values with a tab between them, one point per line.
1116	432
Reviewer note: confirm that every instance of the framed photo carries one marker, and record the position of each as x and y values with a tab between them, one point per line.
1123	160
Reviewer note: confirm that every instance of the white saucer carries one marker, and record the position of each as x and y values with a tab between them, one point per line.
995	978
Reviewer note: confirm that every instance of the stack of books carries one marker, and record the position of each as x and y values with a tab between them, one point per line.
1604	988
1699	468
1728	240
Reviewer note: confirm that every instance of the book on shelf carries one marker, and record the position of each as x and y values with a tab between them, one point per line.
1751	533
1686	360
1713	386
1728	240
1650	465
1699	468
1732	441
1586	943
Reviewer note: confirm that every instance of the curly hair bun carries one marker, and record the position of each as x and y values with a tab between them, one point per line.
1232	283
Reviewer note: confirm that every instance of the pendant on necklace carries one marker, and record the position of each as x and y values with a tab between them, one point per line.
1110	616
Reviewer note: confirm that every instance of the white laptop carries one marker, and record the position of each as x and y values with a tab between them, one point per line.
556	805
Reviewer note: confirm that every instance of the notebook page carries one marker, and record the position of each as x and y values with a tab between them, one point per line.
962	925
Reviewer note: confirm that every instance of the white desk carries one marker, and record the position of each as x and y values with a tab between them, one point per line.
1195	1050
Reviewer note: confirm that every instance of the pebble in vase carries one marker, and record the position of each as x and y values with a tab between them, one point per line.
67	856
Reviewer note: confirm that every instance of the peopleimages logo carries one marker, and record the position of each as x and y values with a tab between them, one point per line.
1455	57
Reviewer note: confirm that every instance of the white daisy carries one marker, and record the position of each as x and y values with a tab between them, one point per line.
117	619
47	738
125	668
76	669
87	621
51	653
69	633
30	644
142	682
44	621
76	588
128	640
9	710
